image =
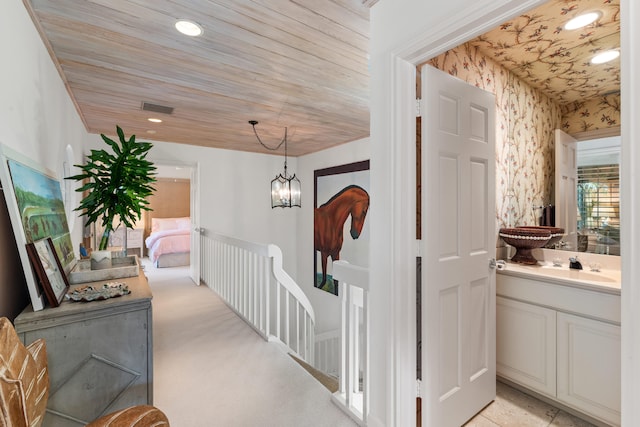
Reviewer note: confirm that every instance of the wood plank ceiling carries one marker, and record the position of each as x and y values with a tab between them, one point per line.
301	64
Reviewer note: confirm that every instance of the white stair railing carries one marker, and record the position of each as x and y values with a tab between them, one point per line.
250	279
353	395
327	354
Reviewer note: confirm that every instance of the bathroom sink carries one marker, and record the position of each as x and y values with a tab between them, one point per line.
608	280
524	240
567	273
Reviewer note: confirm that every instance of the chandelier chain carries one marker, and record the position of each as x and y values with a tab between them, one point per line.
284	140
285	189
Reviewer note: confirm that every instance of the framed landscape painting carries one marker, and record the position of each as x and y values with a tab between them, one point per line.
36	209
341	231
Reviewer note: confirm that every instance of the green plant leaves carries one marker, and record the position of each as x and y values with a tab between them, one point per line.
118	183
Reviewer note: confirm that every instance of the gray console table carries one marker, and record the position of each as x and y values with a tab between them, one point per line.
100	354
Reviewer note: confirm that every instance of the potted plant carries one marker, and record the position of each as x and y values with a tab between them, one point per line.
117	184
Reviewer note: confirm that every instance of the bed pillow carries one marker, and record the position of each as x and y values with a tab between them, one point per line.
163	224
184	223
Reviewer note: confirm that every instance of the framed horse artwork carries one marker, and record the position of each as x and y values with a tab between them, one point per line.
341	203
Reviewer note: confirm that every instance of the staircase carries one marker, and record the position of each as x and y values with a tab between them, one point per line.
330	382
250	279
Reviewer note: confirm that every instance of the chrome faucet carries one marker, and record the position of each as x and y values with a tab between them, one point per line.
574	263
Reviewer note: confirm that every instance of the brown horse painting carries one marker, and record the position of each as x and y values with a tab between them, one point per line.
329	222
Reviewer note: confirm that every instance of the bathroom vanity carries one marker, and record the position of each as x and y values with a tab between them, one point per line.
558	335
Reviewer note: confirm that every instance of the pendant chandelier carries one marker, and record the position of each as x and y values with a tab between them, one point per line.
285	188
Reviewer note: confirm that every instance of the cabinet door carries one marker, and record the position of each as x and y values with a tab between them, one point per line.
96	365
589	366
526	345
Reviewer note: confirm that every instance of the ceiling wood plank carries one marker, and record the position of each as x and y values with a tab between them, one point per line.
302	64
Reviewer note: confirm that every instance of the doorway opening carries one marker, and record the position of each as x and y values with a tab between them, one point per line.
170	226
507	206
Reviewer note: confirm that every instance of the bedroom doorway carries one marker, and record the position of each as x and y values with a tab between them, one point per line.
175	201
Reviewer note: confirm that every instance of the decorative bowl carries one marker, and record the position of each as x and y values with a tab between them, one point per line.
556	232
524	240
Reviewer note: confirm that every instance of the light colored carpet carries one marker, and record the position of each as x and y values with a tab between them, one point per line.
211	369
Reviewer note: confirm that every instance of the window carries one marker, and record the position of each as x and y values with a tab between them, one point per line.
599	203
599	194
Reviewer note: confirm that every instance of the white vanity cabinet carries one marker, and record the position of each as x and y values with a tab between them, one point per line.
589	366
562	342
526	344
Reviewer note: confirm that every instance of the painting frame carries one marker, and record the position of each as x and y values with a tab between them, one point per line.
7	183
49	271
331	181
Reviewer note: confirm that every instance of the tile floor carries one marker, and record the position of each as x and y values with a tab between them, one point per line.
513	408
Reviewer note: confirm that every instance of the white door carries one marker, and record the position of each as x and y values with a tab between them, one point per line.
195	226
566	184
459	239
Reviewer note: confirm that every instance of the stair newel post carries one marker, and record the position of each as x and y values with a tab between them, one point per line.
267	295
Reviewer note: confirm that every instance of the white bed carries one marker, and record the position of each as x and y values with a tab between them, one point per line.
169	243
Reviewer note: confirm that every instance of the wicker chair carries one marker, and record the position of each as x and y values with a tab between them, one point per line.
24	388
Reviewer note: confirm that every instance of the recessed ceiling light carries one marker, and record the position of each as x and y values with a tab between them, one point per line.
582	20
154	120
606	56
151	131
188	28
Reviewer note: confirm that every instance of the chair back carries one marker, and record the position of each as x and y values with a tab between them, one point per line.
24	379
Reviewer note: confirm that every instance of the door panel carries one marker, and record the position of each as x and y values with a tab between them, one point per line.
479	220
589	366
448	202
449	341
526	346
458	224
479	329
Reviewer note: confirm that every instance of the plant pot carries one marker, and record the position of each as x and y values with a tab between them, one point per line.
100	260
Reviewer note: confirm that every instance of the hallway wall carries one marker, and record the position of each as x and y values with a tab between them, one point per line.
326	305
37	119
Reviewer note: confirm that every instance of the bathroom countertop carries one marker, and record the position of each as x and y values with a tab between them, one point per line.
606	280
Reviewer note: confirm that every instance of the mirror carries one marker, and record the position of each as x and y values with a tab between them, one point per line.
598	196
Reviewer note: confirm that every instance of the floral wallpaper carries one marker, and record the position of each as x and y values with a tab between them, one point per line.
537	48
533	119
598	113
542	80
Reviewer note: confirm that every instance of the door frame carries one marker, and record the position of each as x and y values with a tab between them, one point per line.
194	208
397	78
